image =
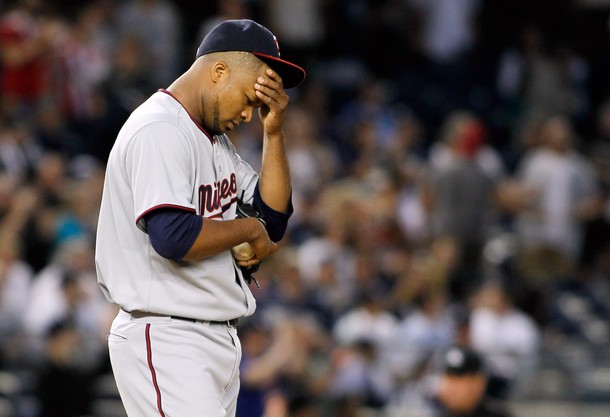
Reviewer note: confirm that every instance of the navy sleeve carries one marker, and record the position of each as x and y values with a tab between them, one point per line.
276	222
172	232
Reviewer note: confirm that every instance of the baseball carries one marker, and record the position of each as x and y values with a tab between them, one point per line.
243	252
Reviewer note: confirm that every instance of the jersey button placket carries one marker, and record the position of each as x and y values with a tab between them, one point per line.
217	164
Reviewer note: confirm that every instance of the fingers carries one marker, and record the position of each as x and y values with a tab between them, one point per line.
270	91
259	256
248	263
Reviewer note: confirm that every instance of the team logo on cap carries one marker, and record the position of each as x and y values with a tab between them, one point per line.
455	358
277	45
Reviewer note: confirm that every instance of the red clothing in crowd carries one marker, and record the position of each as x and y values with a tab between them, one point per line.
29	79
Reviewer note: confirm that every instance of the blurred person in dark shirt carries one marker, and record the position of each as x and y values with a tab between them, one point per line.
461	387
276	364
597	225
462	185
64	385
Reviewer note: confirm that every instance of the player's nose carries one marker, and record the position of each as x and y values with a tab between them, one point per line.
246	115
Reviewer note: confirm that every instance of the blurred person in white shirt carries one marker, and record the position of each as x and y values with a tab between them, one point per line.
552	193
15	286
507	337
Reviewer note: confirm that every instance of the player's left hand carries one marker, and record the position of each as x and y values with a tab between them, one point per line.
270	91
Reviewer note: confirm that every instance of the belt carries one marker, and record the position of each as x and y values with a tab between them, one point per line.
230	323
141	314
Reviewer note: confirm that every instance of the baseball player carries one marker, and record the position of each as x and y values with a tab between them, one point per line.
460	389
168	222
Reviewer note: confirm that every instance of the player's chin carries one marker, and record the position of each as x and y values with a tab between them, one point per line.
233	125
229	127
220	129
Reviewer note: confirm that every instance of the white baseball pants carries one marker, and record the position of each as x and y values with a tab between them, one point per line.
174	368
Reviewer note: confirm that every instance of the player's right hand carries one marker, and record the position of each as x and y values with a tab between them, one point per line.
270	91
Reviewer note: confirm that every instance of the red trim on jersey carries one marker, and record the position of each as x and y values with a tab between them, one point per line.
205	132
223	209
162	206
153	374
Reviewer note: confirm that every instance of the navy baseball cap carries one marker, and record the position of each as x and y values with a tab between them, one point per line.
462	361
249	36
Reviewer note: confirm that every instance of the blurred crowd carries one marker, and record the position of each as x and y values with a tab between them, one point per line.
451	179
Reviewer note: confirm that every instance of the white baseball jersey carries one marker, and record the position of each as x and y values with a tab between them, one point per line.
164	158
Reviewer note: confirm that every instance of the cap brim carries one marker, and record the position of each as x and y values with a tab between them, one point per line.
292	75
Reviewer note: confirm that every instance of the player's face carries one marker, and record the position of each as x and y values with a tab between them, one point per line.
235	102
461	393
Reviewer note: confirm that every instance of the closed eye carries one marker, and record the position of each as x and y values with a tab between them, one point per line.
254	102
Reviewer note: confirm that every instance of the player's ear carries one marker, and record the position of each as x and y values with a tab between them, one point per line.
219	70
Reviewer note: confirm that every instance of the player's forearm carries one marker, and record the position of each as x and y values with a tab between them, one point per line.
218	236
274	182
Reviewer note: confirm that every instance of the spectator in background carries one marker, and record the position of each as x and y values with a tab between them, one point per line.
226	10
16	278
423	333
538	79
507	338
85	59
405	162
428	270
461	196
40	225
552	194
66	289
28	42
363	335
365	124
276	362
64	378
447	28
427	323
366	320
53	131
129	81
303	406
18	203
447	39
81	200
20	152
332	298
157	25
284	292
597	227
327	258
360	374
262	361
313	162
299	405
301	26
460	390
463	131
580	307
597	289
412	206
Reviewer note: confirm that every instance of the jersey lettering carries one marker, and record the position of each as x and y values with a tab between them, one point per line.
212	196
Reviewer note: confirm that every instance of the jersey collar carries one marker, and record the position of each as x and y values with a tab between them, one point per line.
205	132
